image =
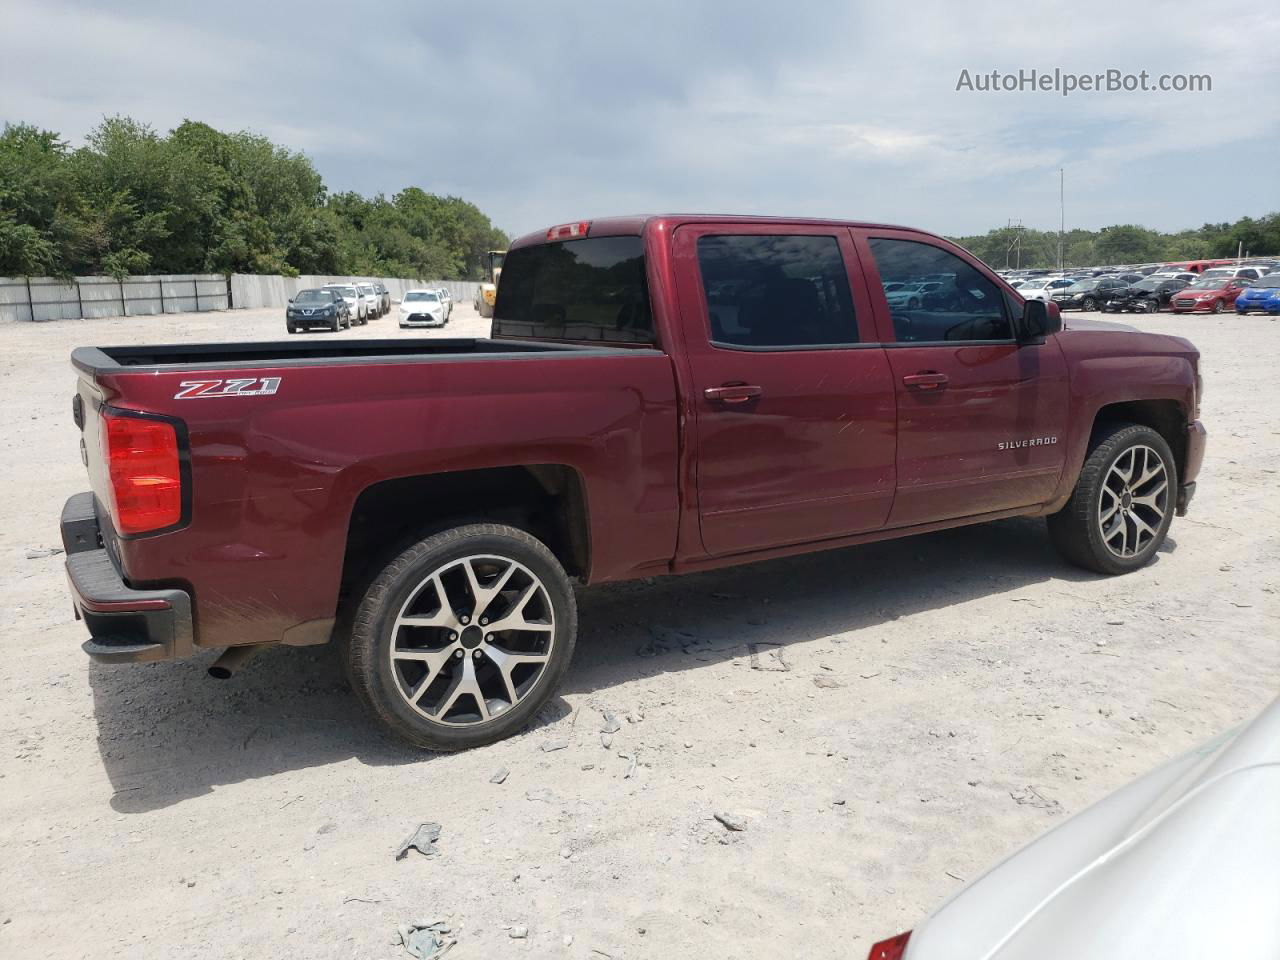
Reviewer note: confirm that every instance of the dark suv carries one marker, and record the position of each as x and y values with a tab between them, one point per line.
317	308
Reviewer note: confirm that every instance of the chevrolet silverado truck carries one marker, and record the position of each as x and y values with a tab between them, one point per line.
658	395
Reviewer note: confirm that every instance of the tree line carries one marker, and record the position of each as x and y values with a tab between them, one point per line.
199	200
1124	243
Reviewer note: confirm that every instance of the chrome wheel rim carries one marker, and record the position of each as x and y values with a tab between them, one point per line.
1134	501
472	640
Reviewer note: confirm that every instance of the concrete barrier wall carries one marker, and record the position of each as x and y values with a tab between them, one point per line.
49	298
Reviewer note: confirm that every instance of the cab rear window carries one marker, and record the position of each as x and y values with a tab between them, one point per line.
592	289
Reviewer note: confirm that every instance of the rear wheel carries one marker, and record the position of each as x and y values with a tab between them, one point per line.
1121	508
462	638
1153	306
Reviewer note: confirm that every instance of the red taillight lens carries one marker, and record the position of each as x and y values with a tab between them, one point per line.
891	949
145	471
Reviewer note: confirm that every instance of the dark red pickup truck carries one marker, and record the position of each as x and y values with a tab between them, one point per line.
660	395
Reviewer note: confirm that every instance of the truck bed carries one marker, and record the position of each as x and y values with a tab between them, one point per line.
187	356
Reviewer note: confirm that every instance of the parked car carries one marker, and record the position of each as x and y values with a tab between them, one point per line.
1170	275
422	308
372	302
1146	296
1088	295
691	379
384	298
317	308
447	299
1208	295
911	295
356	305
1043	288
1262	295
1227	273
1180	864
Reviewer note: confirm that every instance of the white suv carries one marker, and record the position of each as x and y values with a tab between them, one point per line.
355	301
372	299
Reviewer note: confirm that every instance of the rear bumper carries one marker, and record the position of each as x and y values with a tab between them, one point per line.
125	625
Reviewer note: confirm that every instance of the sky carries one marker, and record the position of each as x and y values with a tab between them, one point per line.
547	112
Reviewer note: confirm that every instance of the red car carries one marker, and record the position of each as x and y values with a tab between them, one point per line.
660	395
1210	295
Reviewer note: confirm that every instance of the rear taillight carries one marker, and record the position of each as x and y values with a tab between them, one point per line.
145	468
891	949
569	231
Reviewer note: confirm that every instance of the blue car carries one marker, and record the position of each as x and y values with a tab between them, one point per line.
1263	296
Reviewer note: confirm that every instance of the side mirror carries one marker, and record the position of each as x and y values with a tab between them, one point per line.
1039	320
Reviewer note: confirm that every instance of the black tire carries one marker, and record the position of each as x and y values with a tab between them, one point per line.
1089	304
369	647
1217	306
1153	306
291	328
1073	529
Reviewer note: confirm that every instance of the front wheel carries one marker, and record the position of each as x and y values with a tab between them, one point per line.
462	638
1121	508
1089	304
1217	307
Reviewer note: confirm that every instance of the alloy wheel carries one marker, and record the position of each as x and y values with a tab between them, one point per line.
1134	501
472	640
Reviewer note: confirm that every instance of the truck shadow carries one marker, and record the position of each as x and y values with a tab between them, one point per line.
167	732
633	630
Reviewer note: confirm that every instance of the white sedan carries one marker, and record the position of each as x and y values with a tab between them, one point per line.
1181	864
1043	288
422	308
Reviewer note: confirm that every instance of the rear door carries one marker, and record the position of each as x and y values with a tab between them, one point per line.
794	408
981	418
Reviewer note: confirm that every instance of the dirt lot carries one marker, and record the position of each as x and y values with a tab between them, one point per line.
933	704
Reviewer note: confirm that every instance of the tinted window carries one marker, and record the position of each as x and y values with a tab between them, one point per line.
964	306
775	291
314	296
591	289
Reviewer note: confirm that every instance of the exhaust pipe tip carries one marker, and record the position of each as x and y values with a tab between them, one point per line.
232	659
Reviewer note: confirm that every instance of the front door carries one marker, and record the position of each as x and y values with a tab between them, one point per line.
793	401
981	418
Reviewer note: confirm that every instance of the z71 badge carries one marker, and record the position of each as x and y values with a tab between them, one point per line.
246	387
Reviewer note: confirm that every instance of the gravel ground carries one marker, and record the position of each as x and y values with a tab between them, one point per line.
930	705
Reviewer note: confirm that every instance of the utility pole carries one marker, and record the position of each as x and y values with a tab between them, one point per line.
1062	216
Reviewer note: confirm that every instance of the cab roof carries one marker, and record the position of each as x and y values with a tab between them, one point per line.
636	224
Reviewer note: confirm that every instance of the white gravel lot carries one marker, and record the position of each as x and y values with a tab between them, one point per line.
948	698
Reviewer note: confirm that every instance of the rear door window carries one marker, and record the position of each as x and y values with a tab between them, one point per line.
592	289
776	291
